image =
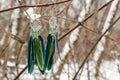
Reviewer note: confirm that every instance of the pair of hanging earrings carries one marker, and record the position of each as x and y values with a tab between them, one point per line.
37	53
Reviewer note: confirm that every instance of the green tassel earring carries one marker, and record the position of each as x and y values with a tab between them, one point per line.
36	50
31	54
52	43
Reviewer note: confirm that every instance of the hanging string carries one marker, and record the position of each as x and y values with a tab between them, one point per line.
53	29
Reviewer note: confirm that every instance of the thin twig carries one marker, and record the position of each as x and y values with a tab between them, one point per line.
18	39
63	9
90	52
7	44
24	9
21	73
108	36
36	5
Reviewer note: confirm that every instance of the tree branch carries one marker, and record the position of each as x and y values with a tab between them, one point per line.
36	5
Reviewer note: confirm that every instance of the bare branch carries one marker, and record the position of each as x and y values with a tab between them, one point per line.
36	5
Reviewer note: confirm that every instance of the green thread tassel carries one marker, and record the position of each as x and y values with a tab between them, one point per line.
30	55
50	50
39	54
36	52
